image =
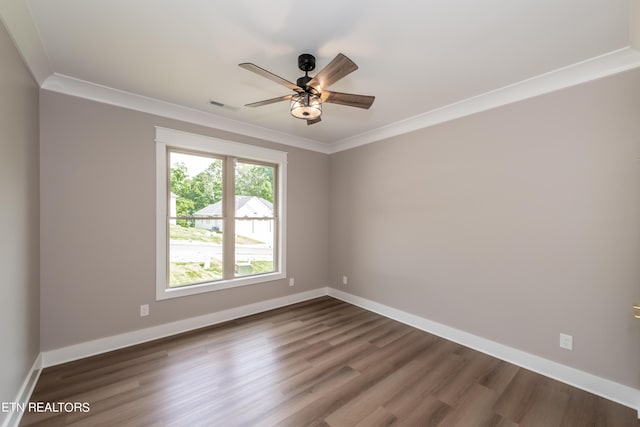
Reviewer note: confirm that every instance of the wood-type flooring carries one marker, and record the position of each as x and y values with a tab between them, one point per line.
318	363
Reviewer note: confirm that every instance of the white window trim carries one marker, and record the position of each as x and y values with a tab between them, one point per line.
179	139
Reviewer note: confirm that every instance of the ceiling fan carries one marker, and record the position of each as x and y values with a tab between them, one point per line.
311	92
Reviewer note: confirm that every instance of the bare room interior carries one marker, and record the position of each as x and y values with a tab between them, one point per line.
325	214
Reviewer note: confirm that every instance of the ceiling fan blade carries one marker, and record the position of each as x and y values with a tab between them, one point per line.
339	67
313	121
349	99
264	73
269	101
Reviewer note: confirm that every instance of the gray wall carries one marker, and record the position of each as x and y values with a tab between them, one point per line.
514	224
19	220
98	216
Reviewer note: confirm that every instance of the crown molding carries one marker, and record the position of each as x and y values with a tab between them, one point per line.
107	95
592	69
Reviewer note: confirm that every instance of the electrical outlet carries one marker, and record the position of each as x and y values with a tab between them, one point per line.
345	280
144	310
566	341
291	281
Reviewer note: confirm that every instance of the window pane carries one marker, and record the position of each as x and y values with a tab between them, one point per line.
195	223
254	252
195	255
254	190
196	186
254	201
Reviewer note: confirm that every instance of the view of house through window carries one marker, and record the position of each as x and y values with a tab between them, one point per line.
222	218
254	218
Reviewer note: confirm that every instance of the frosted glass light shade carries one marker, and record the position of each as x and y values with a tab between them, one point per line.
306	106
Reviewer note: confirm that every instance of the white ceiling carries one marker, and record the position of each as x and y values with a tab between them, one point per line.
416	57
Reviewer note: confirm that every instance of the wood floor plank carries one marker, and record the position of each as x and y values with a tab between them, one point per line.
514	403
370	399
319	408
396	331
317	363
291	404
406	345
474	409
452	390
378	418
547	407
429	412
500	377
442	365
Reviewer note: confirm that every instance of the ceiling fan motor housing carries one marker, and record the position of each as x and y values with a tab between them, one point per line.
306	62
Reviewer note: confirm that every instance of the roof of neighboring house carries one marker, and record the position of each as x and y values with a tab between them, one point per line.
245	206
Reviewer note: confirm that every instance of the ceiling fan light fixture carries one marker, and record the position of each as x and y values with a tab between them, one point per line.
310	93
306	106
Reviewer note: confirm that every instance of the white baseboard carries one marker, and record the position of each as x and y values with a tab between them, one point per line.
24	394
608	389
103	345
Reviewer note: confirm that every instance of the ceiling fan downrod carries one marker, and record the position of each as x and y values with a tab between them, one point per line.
306	63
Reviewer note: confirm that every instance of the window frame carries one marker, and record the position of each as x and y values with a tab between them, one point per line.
180	140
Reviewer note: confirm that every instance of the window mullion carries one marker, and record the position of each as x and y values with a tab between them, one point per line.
229	213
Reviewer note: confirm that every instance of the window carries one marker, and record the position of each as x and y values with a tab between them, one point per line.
220	214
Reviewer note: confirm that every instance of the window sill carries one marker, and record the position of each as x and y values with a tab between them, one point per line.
169	293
